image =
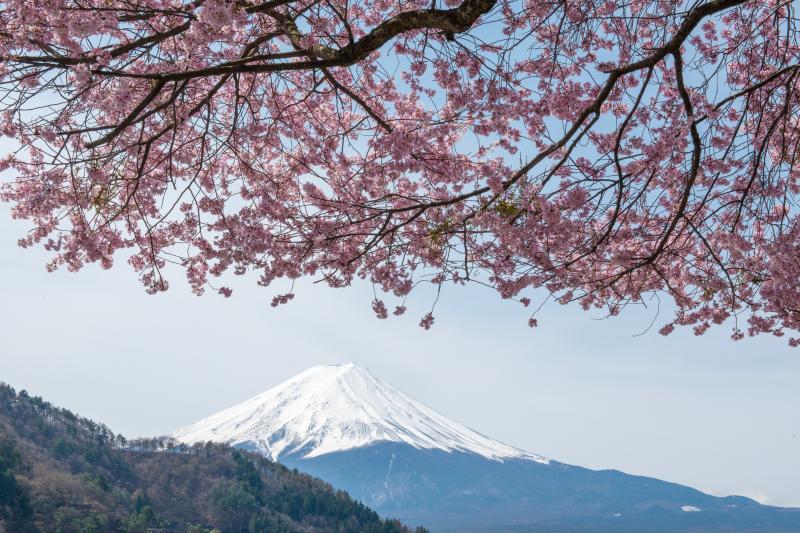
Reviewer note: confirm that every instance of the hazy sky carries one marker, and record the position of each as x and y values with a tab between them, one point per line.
708	412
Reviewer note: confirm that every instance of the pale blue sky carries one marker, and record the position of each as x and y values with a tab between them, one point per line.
708	412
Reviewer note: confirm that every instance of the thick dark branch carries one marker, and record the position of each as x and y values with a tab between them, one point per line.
450	21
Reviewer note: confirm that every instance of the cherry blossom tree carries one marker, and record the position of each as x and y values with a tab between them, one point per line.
599	151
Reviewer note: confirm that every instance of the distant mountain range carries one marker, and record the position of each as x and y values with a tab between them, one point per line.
343	424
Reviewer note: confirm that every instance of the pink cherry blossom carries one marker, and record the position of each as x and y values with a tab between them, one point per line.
380	309
599	151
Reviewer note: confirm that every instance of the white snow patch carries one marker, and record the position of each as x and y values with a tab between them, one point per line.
339	407
388	471
690	509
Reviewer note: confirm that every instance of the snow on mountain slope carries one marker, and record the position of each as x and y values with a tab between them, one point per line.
339	407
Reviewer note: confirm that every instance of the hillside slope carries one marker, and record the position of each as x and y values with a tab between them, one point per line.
63	473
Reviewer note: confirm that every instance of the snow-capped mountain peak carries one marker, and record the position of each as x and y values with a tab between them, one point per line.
334	408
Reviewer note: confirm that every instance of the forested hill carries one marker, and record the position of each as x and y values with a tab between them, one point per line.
63	473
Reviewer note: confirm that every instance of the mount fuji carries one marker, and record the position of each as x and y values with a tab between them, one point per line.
343	424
